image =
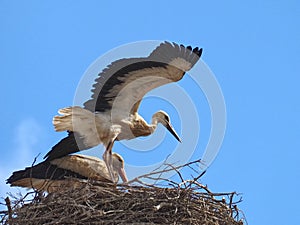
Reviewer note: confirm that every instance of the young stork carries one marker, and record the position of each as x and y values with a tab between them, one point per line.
52	176
111	114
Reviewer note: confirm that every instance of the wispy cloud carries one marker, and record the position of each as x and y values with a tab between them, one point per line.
26	138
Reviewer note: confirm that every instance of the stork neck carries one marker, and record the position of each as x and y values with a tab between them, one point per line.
154	121
153	125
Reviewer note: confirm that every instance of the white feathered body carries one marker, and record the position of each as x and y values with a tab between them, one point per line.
98	128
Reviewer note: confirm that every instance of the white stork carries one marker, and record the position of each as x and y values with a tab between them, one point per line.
52	176
112	112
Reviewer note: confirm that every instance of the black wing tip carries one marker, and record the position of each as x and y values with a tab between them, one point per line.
166	51
18	175
198	51
9	180
28	172
43	170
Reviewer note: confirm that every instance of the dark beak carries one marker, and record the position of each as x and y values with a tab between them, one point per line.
172	131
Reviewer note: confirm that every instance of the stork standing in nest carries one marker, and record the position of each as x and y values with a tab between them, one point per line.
112	112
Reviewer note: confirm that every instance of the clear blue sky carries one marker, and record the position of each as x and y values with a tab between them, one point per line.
252	48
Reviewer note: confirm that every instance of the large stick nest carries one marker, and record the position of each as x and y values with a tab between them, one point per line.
187	202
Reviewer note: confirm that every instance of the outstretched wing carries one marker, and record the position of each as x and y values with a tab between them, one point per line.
122	85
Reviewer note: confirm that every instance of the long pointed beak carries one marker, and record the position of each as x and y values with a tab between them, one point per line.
107	157
122	174
172	131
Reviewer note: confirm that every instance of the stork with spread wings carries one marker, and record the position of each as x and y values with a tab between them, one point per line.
112	112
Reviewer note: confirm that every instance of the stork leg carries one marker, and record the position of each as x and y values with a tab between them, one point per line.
107	157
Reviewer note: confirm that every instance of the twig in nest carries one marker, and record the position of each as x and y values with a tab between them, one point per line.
178	173
9	210
197	178
149	175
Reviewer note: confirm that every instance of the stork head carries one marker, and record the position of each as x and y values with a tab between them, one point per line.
163	118
118	167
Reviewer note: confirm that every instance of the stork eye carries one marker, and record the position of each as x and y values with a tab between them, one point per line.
119	159
167	118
